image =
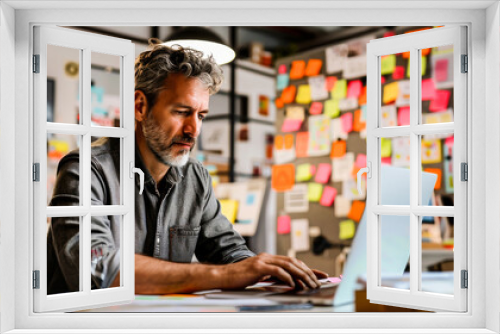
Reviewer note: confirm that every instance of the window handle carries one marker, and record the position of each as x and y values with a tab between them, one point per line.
141	176
368	171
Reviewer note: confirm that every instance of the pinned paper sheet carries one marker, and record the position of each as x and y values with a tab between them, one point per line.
342	206
282	81
387	64
358	124
388	116
404	116
323	173
428	90
431	151
391	92
338	149
296	199
330	82
303	94
303	173
316	108
295	112
300	235
348	104
346	229
439	174
229	209
332	108
314	191
354	89
404	93
328	196
342	167
318	88
339	90
346	122
313	67
288	94
297	70
336	57
356	212
440	102
350	188
319	135
355	67
337	131
385	147
302	144
399	73
291	125
401	151
283	177
283	224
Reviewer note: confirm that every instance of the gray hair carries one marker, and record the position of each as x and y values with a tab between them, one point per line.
153	67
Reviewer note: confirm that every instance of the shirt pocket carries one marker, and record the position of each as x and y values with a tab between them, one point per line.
183	241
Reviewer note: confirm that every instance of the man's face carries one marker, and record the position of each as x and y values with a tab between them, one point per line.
174	122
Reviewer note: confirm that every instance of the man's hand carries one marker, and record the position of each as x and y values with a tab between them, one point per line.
289	270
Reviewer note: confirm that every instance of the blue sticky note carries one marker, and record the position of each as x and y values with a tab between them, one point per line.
250	199
282	81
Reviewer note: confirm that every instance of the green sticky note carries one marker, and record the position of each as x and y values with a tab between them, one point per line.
347	229
423	65
314	192
332	108
303	173
385	147
387	64
339	90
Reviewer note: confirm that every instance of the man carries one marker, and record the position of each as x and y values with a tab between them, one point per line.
177	215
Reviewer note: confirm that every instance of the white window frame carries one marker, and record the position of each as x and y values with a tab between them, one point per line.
482	19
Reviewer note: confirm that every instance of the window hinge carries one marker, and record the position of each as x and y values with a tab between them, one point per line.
464	171
36	172
36	279
465	64
36	63
465	279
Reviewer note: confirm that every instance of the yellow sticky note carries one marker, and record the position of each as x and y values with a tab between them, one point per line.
303	94
303	173
387	64
332	108
339	89
385	147
229	208
347	229
391	92
423	67
314	192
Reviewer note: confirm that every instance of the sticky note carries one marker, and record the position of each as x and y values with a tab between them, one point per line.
319	135
330	82
387	64
288	94
295	112
362	97
339	89
229	209
388	116
440	101
297	70
303	94
354	88
346	229
346	122
358	123
283	224
279	142
360	160
323	173
283	177
314	191
318	88
382	80
291	125
441	70
386	161
399	73
282	69
356	212
439	174
300	235
450	141
303	173
282	81
385	147
332	108
404	116
428	90
313	67
288	141
431	151
328	196
302	144
338	149
391	91
278	102
342	206
316	108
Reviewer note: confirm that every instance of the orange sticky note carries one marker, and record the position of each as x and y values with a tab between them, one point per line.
283	177
356	212
358	124
302	144
288	141
338	149
313	67
297	70
328	196
362	97
439	174
279	103
288	94
278	142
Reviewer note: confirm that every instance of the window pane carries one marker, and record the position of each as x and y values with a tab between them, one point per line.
394	251
63	254
105	250
65	190
395	152
63	84
395	92
106	102
109	192
437	254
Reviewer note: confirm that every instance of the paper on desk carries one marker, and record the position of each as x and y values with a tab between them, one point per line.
201	300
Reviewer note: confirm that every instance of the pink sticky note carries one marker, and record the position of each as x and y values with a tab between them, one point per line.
386	161
316	108
428	90
323	174
354	88
346	120
361	161
399	73
328	196
441	70
282	69
449	141
382	80
440	102
284	224
404	116
290	125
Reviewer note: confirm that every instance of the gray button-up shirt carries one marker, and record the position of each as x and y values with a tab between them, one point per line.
174	220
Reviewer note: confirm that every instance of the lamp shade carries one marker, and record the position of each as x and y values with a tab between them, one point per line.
204	40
